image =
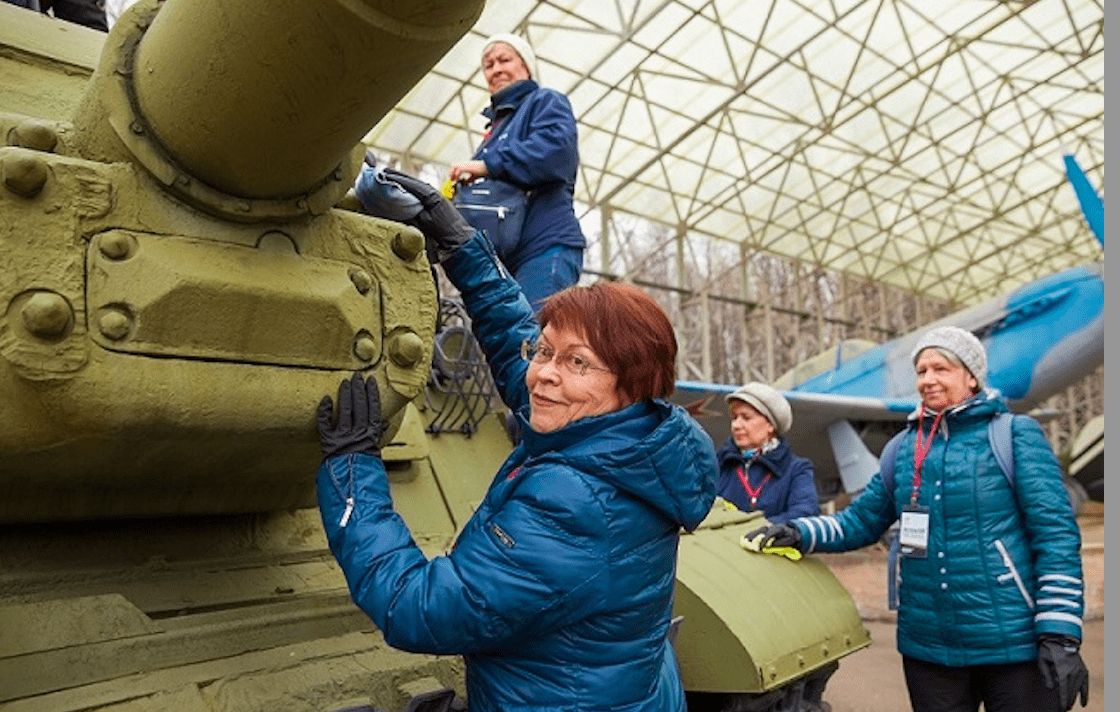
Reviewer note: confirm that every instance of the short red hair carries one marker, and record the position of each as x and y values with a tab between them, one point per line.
626	328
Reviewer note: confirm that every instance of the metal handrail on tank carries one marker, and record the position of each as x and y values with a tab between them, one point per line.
461	390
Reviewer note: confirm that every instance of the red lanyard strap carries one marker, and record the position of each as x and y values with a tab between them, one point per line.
921	452
747	484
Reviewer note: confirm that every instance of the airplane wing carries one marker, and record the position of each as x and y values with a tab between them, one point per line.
842	435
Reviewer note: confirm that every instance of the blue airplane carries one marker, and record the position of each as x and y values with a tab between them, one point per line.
1040	339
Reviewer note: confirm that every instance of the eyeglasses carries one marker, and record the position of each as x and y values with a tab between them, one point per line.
574	363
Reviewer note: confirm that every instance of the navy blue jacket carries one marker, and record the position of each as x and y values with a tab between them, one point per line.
790	491
535	146
1003	565
558	592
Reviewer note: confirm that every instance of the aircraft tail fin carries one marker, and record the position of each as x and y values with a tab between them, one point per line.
1091	204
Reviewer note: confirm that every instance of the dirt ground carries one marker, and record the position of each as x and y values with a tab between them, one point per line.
871	680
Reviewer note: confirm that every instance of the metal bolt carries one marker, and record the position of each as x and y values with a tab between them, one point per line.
24	173
361	279
137	127
406	349
47	314
408	244
365	348
114	323
116	246
34	134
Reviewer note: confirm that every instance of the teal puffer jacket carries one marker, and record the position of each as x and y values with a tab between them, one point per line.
1002	567
558	592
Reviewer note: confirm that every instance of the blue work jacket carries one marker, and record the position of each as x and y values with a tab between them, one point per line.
535	145
786	482
558	591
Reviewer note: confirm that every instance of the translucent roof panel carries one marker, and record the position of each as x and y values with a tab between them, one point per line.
909	142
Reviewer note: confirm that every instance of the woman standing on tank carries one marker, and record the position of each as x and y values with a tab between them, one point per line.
559	590
530	142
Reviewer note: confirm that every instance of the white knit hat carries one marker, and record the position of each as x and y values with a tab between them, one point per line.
957	341
521	46
772	404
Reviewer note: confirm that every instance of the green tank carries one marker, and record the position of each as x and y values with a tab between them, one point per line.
180	283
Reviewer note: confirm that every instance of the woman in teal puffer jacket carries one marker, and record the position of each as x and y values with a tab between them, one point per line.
559	590
991	593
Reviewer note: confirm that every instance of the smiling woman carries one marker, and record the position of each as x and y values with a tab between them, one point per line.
621	339
991	594
559	590
530	146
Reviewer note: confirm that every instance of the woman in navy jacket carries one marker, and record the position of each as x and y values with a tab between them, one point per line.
558	591
757	469
531	141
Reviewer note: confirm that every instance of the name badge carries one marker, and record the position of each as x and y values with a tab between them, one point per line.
913	531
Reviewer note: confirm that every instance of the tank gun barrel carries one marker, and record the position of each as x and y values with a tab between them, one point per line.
256	111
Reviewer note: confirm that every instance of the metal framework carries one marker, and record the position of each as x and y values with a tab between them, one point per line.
784	174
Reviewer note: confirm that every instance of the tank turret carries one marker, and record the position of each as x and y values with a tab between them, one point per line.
178	291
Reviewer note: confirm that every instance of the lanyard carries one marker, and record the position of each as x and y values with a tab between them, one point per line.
747	484
920	452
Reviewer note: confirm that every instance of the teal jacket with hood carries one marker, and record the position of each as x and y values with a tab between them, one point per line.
1003	565
558	592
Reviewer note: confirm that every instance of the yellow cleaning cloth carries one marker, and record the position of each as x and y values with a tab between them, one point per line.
755	545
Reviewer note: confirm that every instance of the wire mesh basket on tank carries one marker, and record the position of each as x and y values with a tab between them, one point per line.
461	391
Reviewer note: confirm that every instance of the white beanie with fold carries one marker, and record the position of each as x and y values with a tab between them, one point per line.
521	46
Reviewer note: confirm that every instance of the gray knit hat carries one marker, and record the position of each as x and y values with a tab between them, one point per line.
962	343
767	401
521	46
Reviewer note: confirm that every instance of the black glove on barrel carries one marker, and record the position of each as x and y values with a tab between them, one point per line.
776	535
359	426
444	229
1061	665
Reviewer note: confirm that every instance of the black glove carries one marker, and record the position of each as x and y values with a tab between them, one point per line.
359	425
443	227
1061	665
776	536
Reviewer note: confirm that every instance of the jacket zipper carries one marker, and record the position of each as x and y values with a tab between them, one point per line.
499	209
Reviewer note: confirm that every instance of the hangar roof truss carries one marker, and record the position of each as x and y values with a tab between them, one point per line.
913	143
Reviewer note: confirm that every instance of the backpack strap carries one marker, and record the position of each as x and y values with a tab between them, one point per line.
886	471
886	461
999	435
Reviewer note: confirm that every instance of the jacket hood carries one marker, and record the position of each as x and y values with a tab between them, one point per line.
652	450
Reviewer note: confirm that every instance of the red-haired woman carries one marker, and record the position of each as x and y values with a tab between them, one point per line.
559	590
